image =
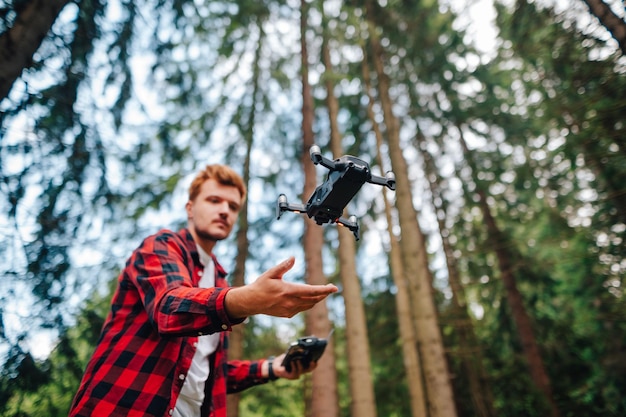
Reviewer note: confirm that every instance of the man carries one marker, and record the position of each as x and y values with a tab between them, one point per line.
162	351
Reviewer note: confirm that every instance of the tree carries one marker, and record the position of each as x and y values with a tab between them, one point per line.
510	265
247	126
410	353
22	36
468	349
574	102
50	151
324	398
414	255
363	402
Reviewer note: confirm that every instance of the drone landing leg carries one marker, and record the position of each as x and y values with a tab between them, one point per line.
351	224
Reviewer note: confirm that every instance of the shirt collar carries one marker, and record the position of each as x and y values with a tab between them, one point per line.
193	249
205	258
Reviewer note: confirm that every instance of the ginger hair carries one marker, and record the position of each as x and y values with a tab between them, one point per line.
223	174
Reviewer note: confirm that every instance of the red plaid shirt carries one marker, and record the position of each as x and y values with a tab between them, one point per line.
148	340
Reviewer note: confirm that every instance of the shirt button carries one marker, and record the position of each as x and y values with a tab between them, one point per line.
171	412
199	333
199	273
224	327
195	344
181	377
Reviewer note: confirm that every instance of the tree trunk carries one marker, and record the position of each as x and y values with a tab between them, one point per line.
19	43
237	337
506	256
414	256
469	350
363	403
410	353
323	400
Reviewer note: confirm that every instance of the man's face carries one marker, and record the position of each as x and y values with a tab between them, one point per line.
212	214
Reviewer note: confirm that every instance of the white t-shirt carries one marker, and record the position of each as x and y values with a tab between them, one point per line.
191	395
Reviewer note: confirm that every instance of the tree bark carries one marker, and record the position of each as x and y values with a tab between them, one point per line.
237	337
469	350
506	264
363	403
20	42
414	255
410	353
323	400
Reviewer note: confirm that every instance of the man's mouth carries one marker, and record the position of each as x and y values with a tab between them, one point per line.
221	223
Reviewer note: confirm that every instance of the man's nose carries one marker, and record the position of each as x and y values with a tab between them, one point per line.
224	208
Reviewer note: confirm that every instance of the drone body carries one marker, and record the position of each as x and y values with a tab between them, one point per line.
346	176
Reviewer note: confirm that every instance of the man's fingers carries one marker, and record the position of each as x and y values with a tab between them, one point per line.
306	303
314	298
279	270
309	295
307	290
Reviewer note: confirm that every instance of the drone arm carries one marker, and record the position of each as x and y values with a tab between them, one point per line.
317	158
389	180
283	205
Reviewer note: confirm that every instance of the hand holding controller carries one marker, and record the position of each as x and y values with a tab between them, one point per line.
305	350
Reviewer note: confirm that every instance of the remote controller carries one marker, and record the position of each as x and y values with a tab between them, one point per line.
305	350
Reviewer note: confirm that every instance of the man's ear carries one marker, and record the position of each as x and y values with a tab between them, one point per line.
188	209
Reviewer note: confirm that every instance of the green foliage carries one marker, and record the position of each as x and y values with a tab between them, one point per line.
280	398
386	352
46	388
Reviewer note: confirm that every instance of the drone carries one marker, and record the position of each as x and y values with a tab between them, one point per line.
345	178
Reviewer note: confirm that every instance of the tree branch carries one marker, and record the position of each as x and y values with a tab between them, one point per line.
614	24
19	43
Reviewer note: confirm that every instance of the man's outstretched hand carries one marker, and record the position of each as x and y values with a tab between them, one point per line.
273	296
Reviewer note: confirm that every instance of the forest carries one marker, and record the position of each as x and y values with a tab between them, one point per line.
489	283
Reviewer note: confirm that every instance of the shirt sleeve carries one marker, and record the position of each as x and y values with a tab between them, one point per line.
243	375
159	270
